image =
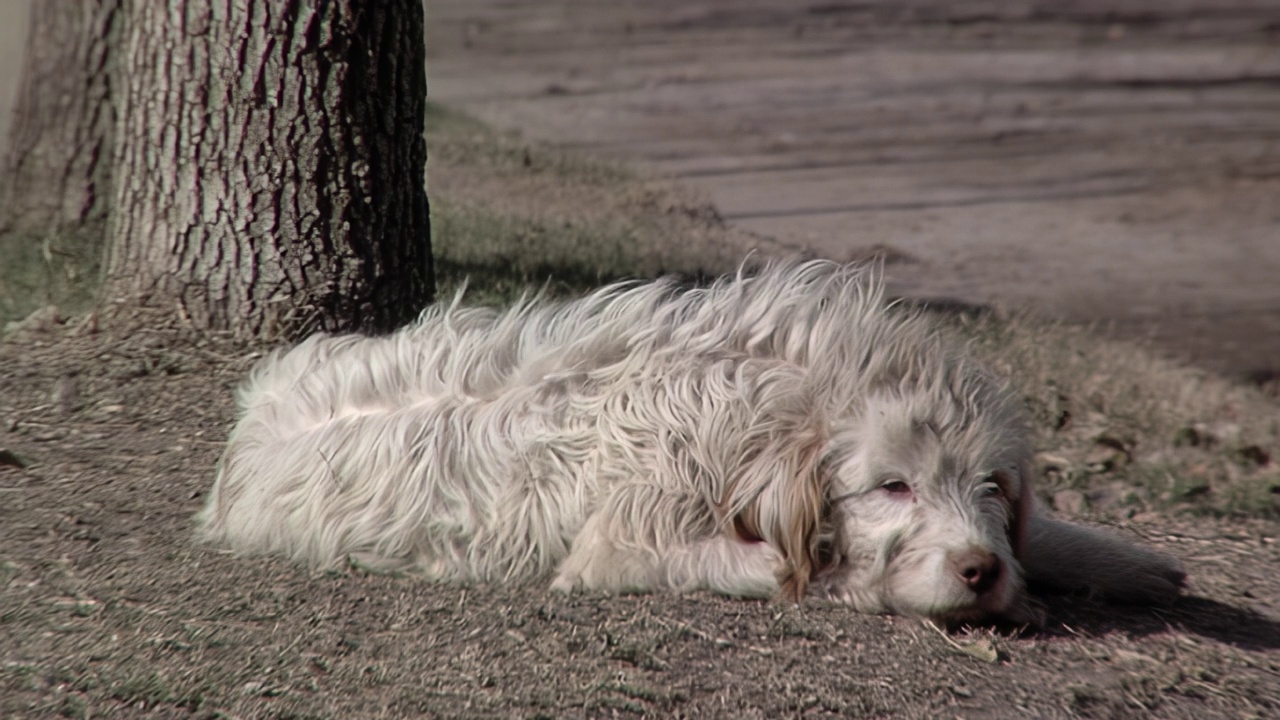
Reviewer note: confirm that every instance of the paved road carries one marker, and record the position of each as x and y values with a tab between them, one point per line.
1115	162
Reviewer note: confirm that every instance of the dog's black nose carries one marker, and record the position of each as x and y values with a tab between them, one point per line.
979	569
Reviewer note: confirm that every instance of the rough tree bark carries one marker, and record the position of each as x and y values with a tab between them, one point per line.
55	180
268	163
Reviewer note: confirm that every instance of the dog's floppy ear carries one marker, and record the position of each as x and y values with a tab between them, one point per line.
777	495
801	504
1024	504
1075	558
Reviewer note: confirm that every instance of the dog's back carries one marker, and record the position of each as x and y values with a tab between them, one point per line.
332	429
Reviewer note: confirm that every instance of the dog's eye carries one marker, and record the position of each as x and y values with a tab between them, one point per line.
897	488
990	490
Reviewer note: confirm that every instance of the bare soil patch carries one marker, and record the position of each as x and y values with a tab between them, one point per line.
108	609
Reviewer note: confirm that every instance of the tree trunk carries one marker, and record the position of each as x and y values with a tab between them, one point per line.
56	176
269	164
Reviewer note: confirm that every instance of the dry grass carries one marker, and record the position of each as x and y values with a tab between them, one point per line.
1128	430
506	209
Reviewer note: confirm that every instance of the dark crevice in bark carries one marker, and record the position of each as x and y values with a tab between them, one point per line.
316	155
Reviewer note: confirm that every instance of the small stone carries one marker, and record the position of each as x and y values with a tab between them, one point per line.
66	394
1070	502
8	458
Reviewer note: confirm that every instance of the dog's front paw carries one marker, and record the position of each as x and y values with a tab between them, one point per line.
837	594
843	590
567	582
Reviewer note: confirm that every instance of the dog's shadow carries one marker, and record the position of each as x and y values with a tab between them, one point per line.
1240	627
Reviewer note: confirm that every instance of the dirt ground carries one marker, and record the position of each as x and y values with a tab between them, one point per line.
1112	162
107	608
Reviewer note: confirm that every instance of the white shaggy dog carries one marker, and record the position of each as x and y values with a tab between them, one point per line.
754	437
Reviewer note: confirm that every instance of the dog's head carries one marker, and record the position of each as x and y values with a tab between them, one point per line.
928	492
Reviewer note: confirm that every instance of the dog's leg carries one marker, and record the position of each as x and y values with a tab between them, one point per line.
647	538
1071	557
720	564
724	565
599	561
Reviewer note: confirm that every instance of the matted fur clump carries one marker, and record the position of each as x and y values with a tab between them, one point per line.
779	432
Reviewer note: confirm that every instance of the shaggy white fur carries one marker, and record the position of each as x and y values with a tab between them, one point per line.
748	438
